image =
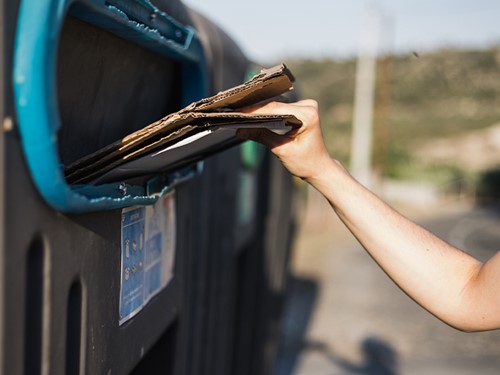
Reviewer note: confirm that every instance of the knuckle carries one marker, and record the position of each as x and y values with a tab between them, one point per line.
311	115
313	103
309	103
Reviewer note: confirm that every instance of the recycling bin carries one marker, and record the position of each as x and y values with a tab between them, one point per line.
181	272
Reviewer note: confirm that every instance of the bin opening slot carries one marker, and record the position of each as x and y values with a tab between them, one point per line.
108	87
87	73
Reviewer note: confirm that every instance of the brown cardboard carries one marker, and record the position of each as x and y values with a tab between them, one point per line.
215	112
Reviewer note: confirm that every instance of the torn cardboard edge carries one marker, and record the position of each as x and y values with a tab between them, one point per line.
213	113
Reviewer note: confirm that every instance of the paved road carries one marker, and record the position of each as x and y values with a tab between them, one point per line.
344	315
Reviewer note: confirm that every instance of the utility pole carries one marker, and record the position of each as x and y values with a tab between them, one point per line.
361	146
382	112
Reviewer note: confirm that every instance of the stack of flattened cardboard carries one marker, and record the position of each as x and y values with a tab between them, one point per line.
196	131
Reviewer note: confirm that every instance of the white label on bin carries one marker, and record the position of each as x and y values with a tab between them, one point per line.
148	253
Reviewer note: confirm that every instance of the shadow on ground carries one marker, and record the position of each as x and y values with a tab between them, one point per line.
379	357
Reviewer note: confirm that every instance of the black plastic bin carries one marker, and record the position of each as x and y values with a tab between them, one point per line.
62	248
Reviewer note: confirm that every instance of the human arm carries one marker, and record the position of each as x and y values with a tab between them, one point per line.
449	283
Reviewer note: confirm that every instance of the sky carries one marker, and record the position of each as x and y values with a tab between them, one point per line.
270	30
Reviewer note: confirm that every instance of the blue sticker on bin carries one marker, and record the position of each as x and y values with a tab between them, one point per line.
148	253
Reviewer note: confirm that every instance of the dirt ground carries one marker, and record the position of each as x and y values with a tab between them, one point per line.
344	316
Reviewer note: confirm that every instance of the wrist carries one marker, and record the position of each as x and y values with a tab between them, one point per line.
326	173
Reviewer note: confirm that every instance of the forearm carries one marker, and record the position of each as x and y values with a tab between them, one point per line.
428	269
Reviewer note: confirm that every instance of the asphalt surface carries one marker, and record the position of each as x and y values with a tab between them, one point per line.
344	316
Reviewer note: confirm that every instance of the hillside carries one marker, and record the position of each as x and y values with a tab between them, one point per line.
419	98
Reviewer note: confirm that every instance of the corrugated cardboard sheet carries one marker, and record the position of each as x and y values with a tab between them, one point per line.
205	127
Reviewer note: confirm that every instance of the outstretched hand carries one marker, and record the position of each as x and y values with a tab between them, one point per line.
302	150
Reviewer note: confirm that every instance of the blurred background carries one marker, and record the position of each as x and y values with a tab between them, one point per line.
409	95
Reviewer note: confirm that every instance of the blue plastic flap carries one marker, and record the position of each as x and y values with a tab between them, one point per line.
38	29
